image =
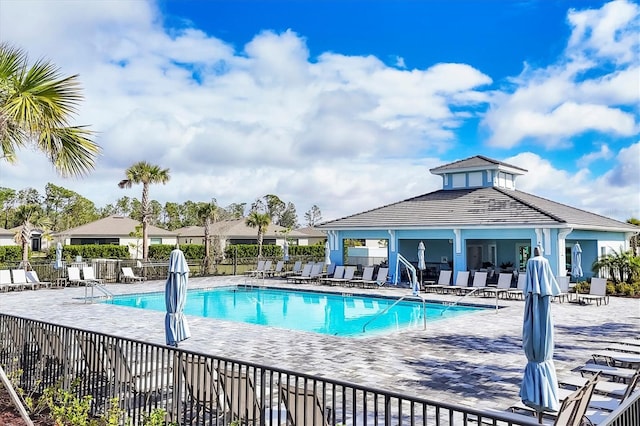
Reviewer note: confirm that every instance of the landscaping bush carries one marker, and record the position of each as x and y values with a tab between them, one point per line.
10	254
92	251
162	251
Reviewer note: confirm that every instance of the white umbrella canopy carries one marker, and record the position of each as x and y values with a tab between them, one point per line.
285	249
58	262
421	264
327	253
576	261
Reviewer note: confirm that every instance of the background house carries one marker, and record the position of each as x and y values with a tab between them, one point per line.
116	230
236	231
480	218
6	238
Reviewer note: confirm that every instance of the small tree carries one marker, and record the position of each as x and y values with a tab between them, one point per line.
620	266
208	214
313	215
260	221
30	217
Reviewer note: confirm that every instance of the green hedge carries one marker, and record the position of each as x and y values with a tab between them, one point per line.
270	250
10	253
162	251
92	251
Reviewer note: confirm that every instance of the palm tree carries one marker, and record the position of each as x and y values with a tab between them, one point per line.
146	174
36	105
30	217
207	214
260	221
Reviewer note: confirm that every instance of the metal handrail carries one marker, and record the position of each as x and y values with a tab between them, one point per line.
385	310
450	304
101	288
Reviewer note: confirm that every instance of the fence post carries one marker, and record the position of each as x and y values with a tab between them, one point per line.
235	260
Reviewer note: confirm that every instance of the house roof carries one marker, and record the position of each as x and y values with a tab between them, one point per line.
492	207
237	228
113	226
5	232
312	231
477	162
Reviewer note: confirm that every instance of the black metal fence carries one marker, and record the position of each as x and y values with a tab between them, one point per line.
199	389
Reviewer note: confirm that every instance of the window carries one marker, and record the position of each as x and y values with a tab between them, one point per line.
155	241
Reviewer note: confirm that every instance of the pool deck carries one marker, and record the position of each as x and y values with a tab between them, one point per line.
474	360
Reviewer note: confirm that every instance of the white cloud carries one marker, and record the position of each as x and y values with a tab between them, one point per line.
552	105
603	154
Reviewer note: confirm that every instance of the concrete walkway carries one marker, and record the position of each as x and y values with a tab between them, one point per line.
474	360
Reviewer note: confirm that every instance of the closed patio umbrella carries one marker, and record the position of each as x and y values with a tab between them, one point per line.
285	248
421	265
176	327
576	260
58	262
539	389
327	254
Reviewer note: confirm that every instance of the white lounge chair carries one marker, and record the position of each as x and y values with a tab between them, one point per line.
444	279
128	276
259	269
73	276
504	284
597	292
32	277
462	281
20	279
519	290
478	286
563	283
5	280
89	275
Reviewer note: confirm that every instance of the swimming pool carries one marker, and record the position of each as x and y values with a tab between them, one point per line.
326	313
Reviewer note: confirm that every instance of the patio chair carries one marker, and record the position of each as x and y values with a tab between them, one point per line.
597	292
462	281
504	284
129	277
297	269
303	406
314	275
89	276
278	269
572	409
617	359
349	272
241	400
267	269
563	283
20	280
203	389
32	277
609	401
306	271
382	276
73	276
258	269
614	373
444	279
338	273
5	280
478	286
367	277
519	290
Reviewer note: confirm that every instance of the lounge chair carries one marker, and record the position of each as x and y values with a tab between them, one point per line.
297	269
504	284
444	279
259	269
306	272
129	277
32	277
349	272
597	292
20	280
519	290
268	268
624	347
89	276
615	373
478	286
314	275
338	273
367	277
381	276
73	274
5	280
563	283
462	281
241	399
571	413
203	389
278	269
617	359
303	406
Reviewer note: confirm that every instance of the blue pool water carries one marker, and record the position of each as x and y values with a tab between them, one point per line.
325	313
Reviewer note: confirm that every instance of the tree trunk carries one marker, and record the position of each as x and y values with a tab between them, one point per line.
260	237
145	221
207	246
25	239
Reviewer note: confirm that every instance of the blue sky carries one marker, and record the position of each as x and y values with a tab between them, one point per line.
345	104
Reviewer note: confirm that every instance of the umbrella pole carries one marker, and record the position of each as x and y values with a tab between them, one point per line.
540	417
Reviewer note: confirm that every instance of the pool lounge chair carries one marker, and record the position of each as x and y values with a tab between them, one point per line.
32	277
204	391
519	290
381	277
367	276
5	280
314	275
277	271
338	273
504	284
129	277
563	283
89	276
349	272
297	269
303	406
478	286
20	280
306	272
462	281
444	279
259	269
73	276
597	292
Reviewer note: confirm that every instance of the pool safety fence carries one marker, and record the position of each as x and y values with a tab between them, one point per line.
199	389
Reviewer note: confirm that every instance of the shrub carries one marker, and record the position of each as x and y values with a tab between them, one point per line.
92	251
162	251
10	254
